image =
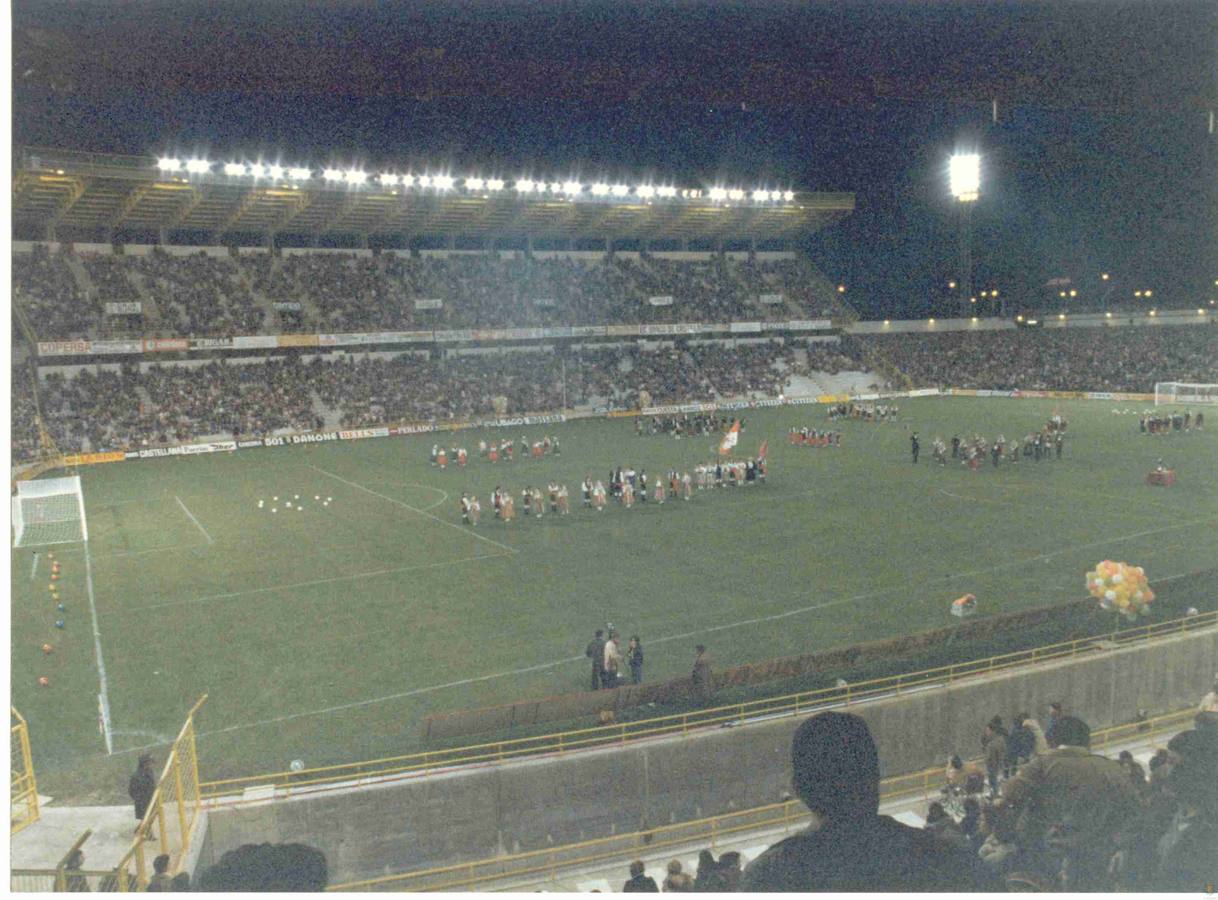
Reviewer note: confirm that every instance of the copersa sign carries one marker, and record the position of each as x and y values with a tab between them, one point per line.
63	348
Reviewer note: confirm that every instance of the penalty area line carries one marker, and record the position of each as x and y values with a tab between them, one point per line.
192	518
422	512
103	698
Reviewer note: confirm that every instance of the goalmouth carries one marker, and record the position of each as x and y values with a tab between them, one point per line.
49	511
1169	393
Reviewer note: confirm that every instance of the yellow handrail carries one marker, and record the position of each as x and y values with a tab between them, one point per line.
23	787
681	723
584	853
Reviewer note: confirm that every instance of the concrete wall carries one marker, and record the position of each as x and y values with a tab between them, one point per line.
436	820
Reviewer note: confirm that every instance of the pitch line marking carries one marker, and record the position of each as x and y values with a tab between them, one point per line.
677	637
415	509
166	549
976	499
319	581
192	518
104	696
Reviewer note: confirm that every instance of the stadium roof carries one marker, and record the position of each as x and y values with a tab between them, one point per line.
79	192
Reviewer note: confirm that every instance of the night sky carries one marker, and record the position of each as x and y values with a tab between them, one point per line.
1101	158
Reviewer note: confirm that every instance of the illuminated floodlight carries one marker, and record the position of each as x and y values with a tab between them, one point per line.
735	194
168	164
275	172
524	185
355	176
666	190
555	187
443	182
571	187
718	193
645	191
788	196
388	179
198	166
1137	293
1073	293
620	190
494	184
964	175
600	189
332	174
761	195
407	180
475	184
1104	277
1148	293
299	173
234	169
424	181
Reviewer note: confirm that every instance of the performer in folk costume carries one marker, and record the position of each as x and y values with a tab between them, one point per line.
508	507
537	450
674	482
552	490
497	502
598	497
526	501
510	452
435	449
465	507
642	486
475	511
442	458
482	448
586	488
462	457
659	492
493	454
539	503
627	494
687	484
564	501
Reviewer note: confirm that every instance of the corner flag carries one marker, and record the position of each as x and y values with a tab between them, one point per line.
729	439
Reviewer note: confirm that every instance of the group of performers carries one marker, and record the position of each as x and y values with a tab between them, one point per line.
973	451
1164	423
441	457
505	450
683	425
811	437
867	412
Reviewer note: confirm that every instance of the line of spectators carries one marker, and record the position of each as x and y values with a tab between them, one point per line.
1103	359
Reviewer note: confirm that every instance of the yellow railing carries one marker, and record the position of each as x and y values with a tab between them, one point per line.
683	723
169	824
23	790
707	832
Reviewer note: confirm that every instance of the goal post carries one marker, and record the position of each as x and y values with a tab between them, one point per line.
1179	393
49	511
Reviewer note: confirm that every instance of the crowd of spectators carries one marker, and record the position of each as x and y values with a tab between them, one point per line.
102	410
202	295
1101	359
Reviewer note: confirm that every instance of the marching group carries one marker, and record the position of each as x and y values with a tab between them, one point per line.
866	412
495	451
684	425
1165	423
1047	443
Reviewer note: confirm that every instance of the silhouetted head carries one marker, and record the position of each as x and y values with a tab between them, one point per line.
836	769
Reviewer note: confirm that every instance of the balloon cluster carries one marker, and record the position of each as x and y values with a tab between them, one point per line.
1122	587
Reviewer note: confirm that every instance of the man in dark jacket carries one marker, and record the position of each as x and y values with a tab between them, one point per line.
639	883
596	652
142	786
849	846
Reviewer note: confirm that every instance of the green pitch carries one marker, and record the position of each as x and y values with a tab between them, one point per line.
325	633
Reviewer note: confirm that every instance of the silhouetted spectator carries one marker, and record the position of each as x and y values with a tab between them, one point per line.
142	786
639	883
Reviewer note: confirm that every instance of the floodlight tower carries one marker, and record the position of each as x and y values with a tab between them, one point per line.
964	175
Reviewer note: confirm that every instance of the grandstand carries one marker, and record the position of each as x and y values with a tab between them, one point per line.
368	653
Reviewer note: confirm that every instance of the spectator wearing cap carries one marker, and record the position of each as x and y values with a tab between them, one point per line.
1070	803
849	846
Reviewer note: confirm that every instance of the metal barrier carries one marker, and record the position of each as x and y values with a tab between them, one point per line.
708	832
23	790
287	783
172	814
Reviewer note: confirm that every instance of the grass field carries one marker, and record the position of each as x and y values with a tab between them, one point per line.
324	634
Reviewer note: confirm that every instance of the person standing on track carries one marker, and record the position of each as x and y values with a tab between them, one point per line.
141	787
596	652
914	447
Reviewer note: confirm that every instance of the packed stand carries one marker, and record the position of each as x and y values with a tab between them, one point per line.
197	295
50	296
1102	359
23	415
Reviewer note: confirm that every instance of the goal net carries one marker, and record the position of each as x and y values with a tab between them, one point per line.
1178	393
49	511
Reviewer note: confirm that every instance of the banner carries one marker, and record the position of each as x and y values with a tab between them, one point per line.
622	330
745	327
297	340
88	459
118	347
458	335
165	345
770	299
428	304
211	343
124	308
588	331
357	434
809	324
545	301
255	342
63	348
660	301
286	306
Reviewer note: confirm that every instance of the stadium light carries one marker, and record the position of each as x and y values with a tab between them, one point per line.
494	184
620	190
234	169
951	285
257	170
645	191
1073	292
355	176
600	189
718	193
964	174
524	185
388	178
407	180
571	188
198	166
841	289
761	195
169	164
667	190
424	181
1104	277
475	184
789	196
332	174
1148	293
299	173
735	194
443	182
